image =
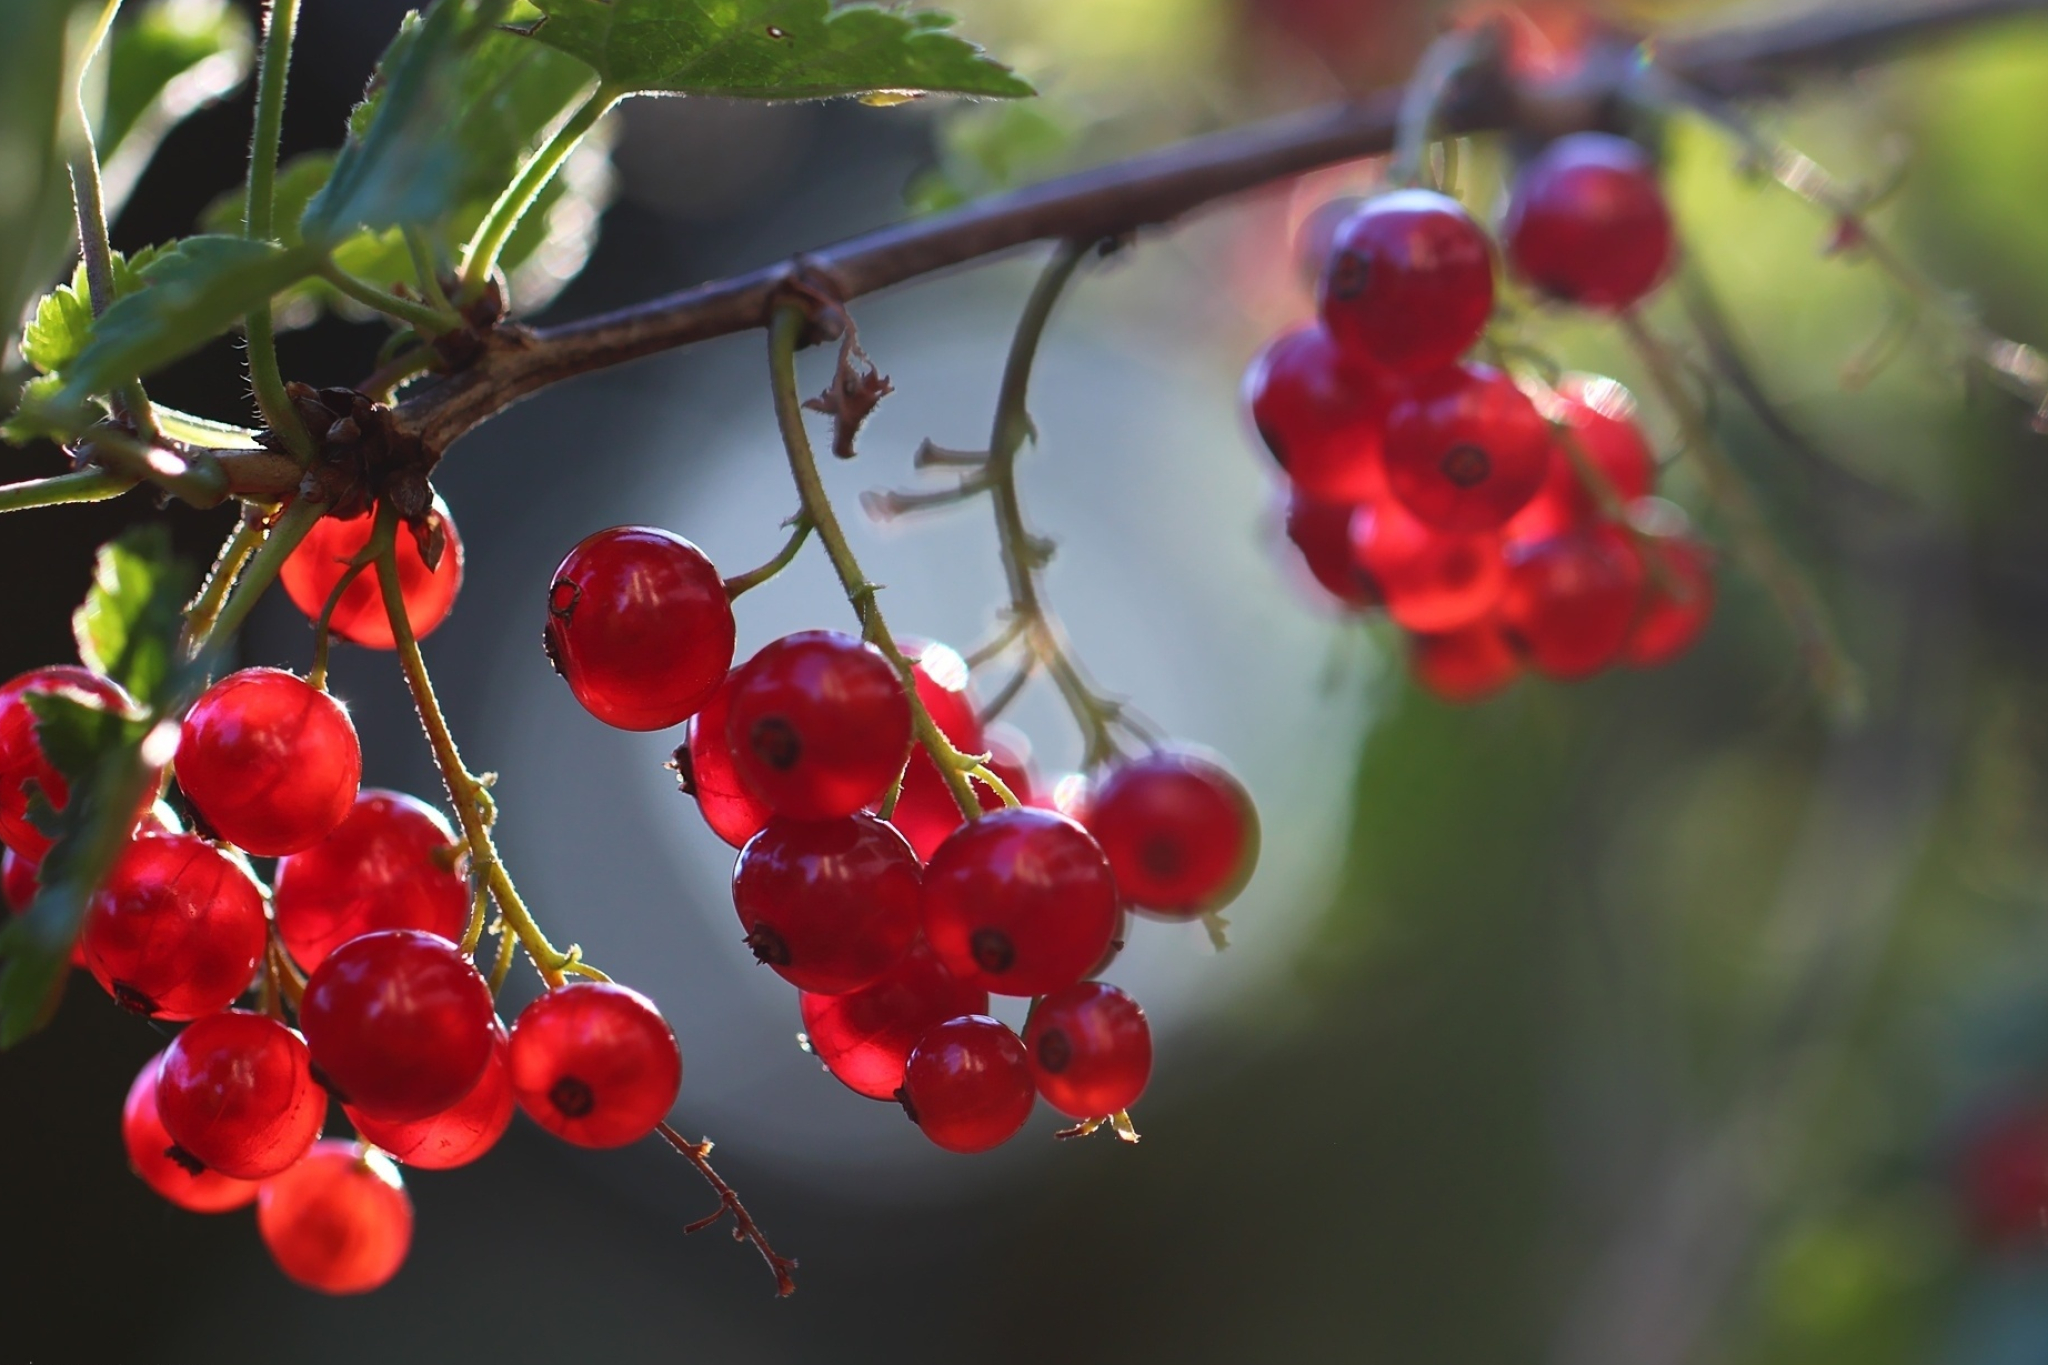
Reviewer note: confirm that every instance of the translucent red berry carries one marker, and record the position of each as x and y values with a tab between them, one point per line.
1572	600
399	1023
926	812
340	1221
458	1134
1180	833
22	762
819	725
1465	666
864	1037
19	880
312	570
165	1167
829	905
967	1084
1678	601
1090	1050
1410	281
1320	413
1587	223
1321	532
236	1093
269	761
640	627
175	930
1466	449
392	864
1598	415
733	812
1431	582
1020	902
595	1064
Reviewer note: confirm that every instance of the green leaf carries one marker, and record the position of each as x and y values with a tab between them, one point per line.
165	61
770	49
62	326
35	197
128	626
39	417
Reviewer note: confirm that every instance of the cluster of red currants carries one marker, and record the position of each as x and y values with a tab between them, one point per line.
1506	523
370	899
861	879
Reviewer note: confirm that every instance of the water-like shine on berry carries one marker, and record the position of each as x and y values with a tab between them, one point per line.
392	864
819	725
271	762
163	1166
312	570
1410	282
1090	1050
340	1221
399	1022
1322	414
236	1093
1588	223
458	1134
22	761
926	811
1180	833
640	627
595	1064
967	1084
829	905
1466	450
864	1037
175	930
1020	902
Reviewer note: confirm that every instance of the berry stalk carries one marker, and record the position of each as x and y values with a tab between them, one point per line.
227	569
280	23
512	205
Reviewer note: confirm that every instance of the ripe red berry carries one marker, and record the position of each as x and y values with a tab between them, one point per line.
1320	413
1465	666
236	1093
595	1064
864	1037
1020	902
1090	1050
830	905
1466	449
19	880
1677	603
312	570
176	929
165	1167
1431	582
269	761
399	1023
1180	833
640	627
392	864
967	1084
1410	281
734	813
1588	224
819	725
1572	600
926	811
458	1134
339	1221
1321	532
1599	415
22	761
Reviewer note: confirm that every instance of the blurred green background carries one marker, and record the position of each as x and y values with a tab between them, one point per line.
1649	1021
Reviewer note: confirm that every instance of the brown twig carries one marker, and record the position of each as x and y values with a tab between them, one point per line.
744	1228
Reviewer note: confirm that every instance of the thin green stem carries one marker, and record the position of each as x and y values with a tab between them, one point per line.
259	213
788	325
385	379
323	629
84	485
985	775
1436	75
800	531
193	475
227	568
505	215
286	532
428	322
427	268
502	966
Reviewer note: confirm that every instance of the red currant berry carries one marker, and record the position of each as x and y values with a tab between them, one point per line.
1677	602
399	1023
1321	532
1410	281
20	879
828	904
1599	416
163	1165
236	1093
2002	1181
734	813
1572	600
312	570
1466	449
819	725
926	811
1322	415
457	1135
1020	902
967	1084
340	1221
595	1064
22	760
1466	666
864	1037
1431	582
1090	1050
392	864
269	761
176	929
1180	833
1587	223
640	627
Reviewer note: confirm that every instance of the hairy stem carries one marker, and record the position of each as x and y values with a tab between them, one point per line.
799	532
427	321
286	532
744	1228
259	212
84	485
234	555
519	196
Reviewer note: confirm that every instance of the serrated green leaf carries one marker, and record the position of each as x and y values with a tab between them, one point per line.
127	628
39	415
165	61
62	326
770	49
